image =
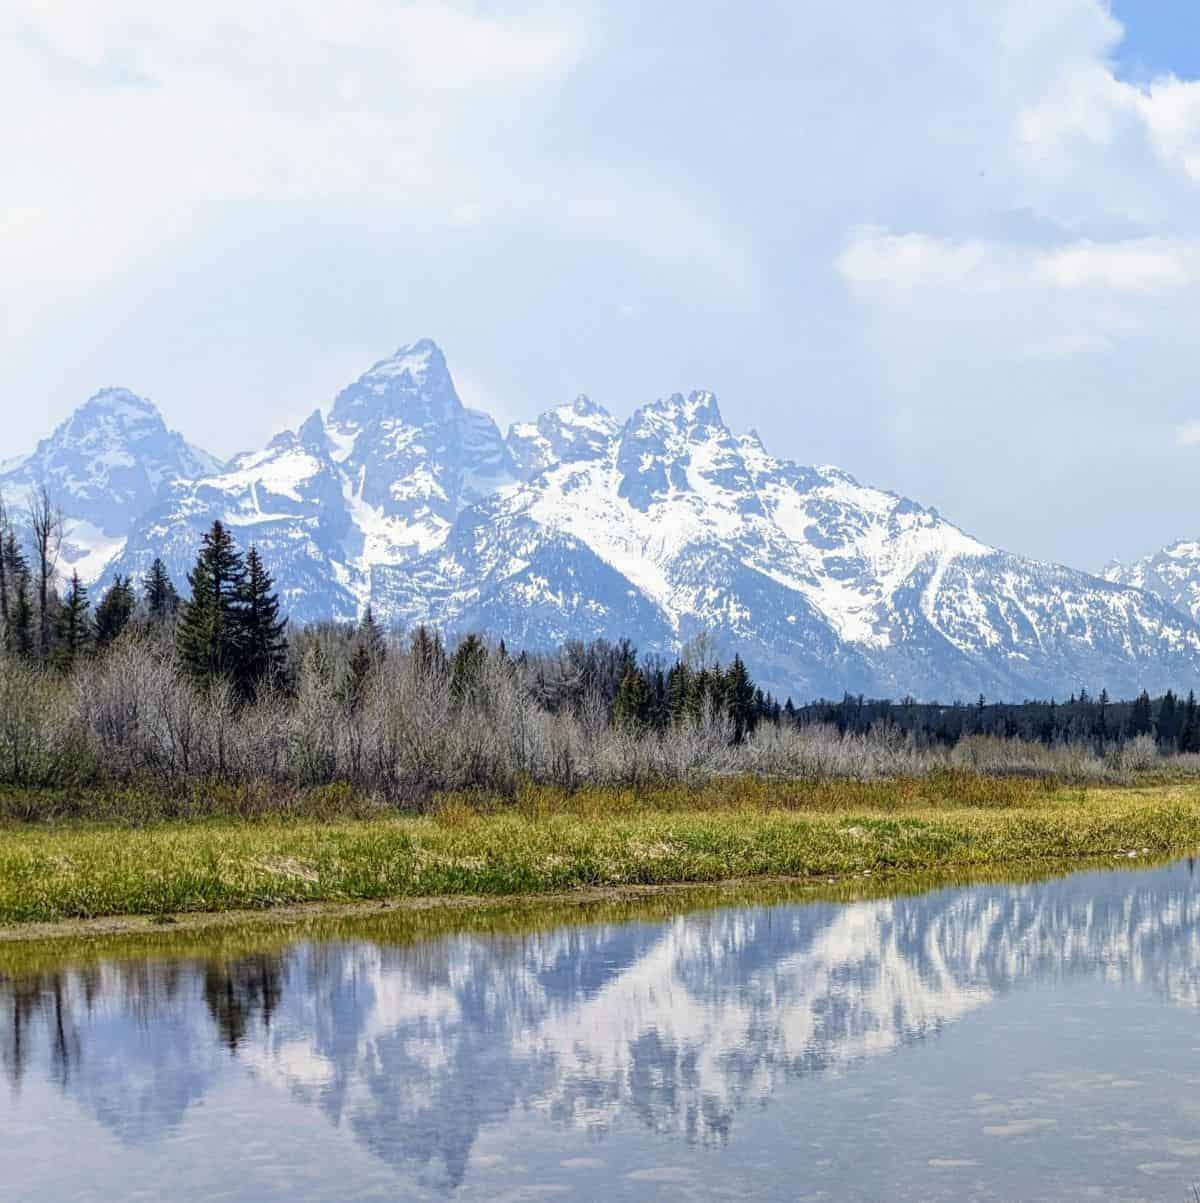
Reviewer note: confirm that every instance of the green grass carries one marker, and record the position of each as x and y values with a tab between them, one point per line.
544	842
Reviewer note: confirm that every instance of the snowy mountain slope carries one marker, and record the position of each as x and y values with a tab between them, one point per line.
658	529
578	431
104	465
288	501
1173	573
332	503
822	583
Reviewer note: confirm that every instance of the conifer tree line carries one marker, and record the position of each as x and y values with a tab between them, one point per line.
230	629
1172	720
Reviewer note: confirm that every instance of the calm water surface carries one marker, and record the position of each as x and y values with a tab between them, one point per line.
993	1042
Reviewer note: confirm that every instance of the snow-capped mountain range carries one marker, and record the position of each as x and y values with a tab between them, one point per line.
579	525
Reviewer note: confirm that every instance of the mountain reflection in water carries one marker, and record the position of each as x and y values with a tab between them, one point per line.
680	1025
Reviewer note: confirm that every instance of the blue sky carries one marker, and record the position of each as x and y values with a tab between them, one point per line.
1160	36
952	248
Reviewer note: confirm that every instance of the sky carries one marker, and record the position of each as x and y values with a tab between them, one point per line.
953	248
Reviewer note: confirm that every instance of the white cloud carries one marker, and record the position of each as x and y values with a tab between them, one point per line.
1187	434
141	123
953	220
1140	266
874	256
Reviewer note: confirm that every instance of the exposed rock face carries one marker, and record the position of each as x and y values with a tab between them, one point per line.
658	528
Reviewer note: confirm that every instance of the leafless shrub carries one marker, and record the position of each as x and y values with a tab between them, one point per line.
401	727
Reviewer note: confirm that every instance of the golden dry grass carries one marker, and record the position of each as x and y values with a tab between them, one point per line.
545	841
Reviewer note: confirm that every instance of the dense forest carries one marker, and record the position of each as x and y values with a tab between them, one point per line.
213	685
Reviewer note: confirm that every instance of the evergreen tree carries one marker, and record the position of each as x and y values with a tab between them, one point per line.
466	667
358	671
208	633
739	699
429	656
1140	717
159	592
370	635
260	647
20	636
74	626
700	692
114	611
17	624
1189	737
1166	725
632	703
5	585
679	684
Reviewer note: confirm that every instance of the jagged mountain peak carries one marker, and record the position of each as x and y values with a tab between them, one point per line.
569	433
656	528
414	384
584	407
1171	573
105	464
312	433
698	414
121	403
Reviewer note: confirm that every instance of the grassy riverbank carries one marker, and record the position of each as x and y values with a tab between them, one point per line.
545	842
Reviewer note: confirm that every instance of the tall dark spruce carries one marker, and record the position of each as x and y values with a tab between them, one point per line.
208	633
74	625
159	592
114	611
261	646
18	616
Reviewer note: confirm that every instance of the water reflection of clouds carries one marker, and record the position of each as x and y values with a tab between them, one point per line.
678	1025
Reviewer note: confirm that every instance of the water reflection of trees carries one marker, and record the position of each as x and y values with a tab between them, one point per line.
242	993
677	1025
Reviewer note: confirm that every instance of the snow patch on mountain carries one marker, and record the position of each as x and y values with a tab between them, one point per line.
575	525
104	465
1172	573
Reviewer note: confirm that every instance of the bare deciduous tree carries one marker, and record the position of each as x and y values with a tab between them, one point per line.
46	531
5	529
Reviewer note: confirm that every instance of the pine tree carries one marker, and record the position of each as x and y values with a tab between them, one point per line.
632	703
428	654
1189	738
679	683
1140	716
354	685
5	583
161	599
1166	725
739	699
701	692
114	611
260	645
74	625
17	630
370	635
466	667
19	634
207	635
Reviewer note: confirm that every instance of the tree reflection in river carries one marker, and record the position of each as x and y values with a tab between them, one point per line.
678	1024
